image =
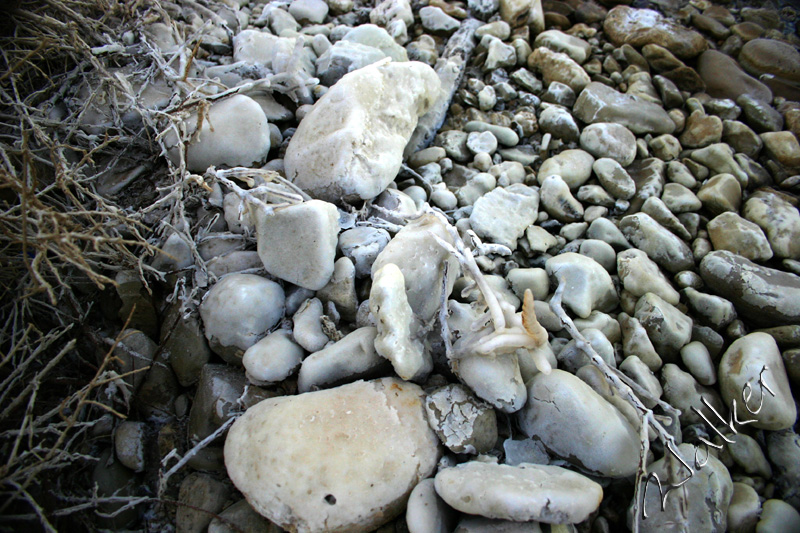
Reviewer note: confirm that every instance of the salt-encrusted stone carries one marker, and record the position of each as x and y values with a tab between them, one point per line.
344	459
349	359
502	215
742	364
660	244
235	132
576	423
297	243
498	54
571	357
668	328
544	493
640	274
560	94
588	284
426	512
463	423
272	359
350	146
238	311
397	326
609	140
485	141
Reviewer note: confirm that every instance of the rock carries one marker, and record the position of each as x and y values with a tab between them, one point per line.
697	360
638	27
783	448
574	167
351	358
558	201
719	158
362	245
463	423
376	37
614	178
701	130
721	193
321	158
760	115
307	330
496	380
769	56
661	245
555	66
640	274
571	358
744	363
297	243
502	215
479	524
711	26
563	409
397	326
746	453
607	140
483	141
724	78
313	11
427	512
183	344
764	295
498	28
668	329
558	93
222	139
702	500
577	49
665	147
435	20
539	239
243	518
741	138
679	199
779	219
238	311
217	400
129	444
636	342
272	359
783	147
559	123
683	392
503	134
345	482
544	493
515	12
600	103
527	80
343	57
777	515
421	260
202	497
387	11
731	232
498	54
341	289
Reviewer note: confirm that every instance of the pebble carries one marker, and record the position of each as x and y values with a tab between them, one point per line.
682	391
503	214
776	215
668	329
639	275
600	103
184	345
521	493
608	140
758	114
660	244
362	245
731	232
504	135
427	512
496	380
344	481
573	166
555	66
576	48
313	11
479	524
742	364
435	20
638	27
563	409
318	158
238	311
559	123
716	311
589	286
558	201
297	243
747	453
129	444
351	358
680	199
482	142
635	341
202	497
463	423
770	56
273	358
777	515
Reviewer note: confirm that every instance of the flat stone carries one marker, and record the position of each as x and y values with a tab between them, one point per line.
502	215
364	446
563	412
724	78
638	27
769	56
600	103
764	295
525	492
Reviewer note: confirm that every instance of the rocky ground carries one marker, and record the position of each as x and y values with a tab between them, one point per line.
428	266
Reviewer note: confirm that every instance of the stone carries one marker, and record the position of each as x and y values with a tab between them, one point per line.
184	345
697	360
297	243
343	57
504	135
562	409
783	449
497	380
667	328
426	512
731	232
129	444
202	497
321	158
498	28
764	295
539	239
780	220
557	200
640	274
679	199
498	54
376	37
614	178
724	78
362	244
713	27
741	138
556	66
341	289
560	94
683	392
770	56
515	12
397	327
574	167
600	103
483	141
502	215
307	321
218	392
661	245
636	342
241	518
665	147
571	358
576	48
721	193
463	423
272	359
345	482
544	493
755	360
670	94
589	286
701	130
702	501
608	140
435	20
783	147
559	123
719	158
638	27
238	311
760	115
313	11
387	11
235	132
746	452
777	515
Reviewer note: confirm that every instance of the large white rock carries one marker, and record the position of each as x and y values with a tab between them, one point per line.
234	132
338	460
238	311
350	145
297	243
544	493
